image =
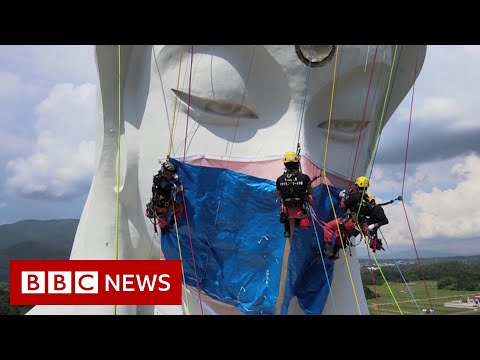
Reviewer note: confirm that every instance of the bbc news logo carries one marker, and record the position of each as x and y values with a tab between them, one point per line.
95	282
59	282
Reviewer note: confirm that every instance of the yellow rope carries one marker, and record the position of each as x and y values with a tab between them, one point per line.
117	215
172	130
377	137
382	116
181	259
326	180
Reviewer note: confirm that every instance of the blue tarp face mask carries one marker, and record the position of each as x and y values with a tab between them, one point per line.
238	243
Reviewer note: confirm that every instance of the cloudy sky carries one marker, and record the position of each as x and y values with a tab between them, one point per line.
48	91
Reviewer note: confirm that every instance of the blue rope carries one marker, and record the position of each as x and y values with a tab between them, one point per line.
304	100
323	262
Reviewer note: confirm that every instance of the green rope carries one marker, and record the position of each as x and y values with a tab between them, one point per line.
383	276
382	116
117	215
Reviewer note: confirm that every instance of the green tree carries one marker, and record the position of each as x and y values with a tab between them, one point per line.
369	294
6	308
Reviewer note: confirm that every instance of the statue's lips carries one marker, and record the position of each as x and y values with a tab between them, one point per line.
268	168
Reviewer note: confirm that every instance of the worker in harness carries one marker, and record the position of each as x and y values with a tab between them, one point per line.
336	233
295	190
163	207
376	218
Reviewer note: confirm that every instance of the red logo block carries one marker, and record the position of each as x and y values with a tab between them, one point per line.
95	282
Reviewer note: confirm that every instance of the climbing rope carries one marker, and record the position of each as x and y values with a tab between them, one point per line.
403	180
385	104
181	258
236	129
171	127
191	250
243	101
377	140
383	276
171	131
188	107
313	216
184	86
183	194
163	90
379	128
326	181
364	112
401	274
302	109
372	273
117	211
362	135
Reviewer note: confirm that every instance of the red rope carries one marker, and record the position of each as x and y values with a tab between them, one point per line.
188	107
315	217
363	116
183	194
192	251
374	284
403	181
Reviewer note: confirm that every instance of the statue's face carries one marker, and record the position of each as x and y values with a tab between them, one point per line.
247	102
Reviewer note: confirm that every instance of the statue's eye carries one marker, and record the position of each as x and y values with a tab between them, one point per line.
215	107
344	128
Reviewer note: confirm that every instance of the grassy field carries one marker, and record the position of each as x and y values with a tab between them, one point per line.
404	303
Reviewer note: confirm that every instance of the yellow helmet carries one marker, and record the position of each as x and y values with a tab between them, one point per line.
370	197
362	182
290	156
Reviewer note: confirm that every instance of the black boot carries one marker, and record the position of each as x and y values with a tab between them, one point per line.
327	250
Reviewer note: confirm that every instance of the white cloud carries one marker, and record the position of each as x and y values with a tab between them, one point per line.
453	113
62	163
450	214
65	62
446	90
472	49
438	108
51	63
421	176
13	145
13	89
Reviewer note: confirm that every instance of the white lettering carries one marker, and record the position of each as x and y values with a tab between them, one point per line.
167	284
127	282
33	282
115	284
145	283
59	282
86	282
146	280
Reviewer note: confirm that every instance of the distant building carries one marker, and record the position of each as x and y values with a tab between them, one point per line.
471	301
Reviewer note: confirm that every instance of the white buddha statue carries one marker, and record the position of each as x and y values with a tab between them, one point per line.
226	114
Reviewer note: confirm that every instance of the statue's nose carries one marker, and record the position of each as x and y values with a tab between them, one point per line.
315	55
